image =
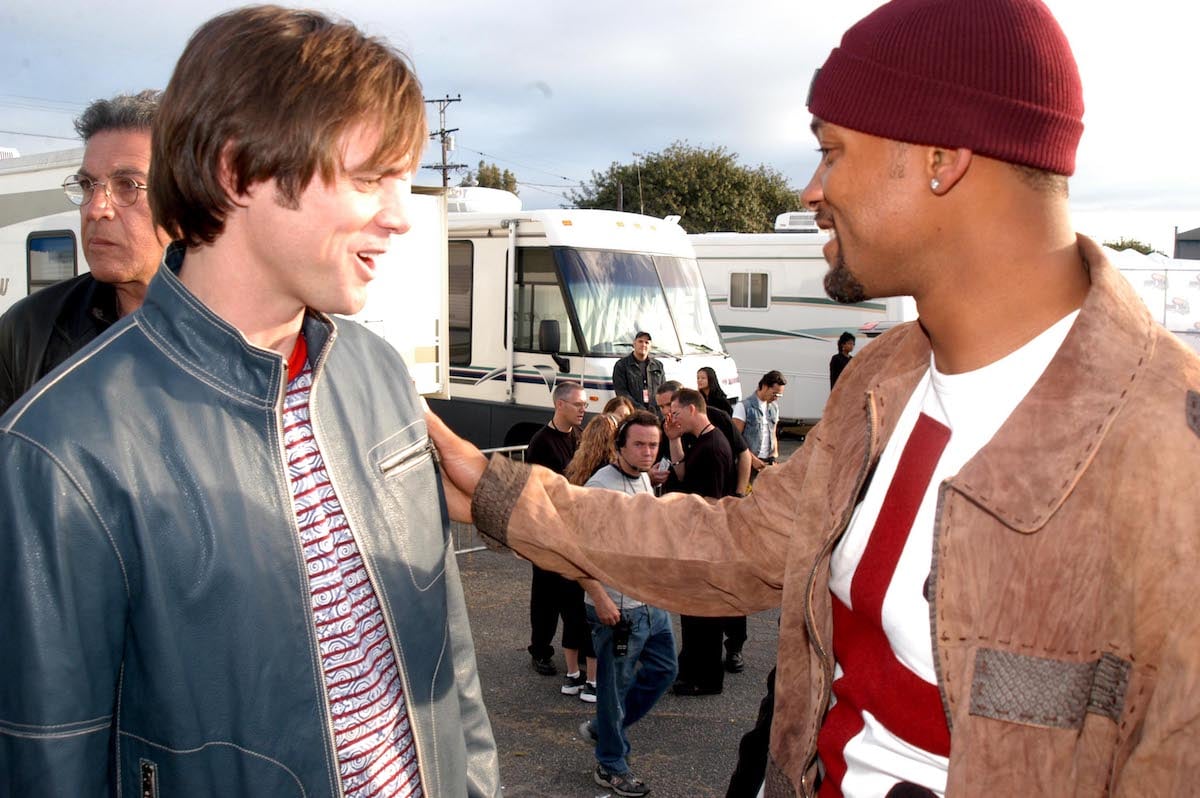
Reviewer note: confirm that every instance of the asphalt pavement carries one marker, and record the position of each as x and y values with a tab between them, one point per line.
685	747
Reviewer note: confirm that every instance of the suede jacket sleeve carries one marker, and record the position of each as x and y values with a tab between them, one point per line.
679	552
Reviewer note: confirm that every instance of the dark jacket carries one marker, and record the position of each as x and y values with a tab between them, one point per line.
627	381
47	327
158	622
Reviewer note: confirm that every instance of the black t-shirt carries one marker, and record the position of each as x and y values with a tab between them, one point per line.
724	424
552	449
707	465
836	364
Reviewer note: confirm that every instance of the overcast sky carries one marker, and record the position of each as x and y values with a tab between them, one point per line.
555	90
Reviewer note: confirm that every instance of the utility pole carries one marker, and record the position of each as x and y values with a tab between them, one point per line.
447	139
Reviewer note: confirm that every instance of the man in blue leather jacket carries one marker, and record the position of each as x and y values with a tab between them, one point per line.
228	571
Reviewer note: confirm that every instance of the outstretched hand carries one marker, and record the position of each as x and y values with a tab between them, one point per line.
462	466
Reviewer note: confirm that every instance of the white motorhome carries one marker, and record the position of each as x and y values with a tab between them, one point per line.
582	283
540	296
39	228
767	292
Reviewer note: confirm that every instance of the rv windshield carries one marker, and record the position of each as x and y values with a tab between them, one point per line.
689	304
616	294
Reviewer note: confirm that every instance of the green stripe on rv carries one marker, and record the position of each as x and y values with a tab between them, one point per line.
737	334
806	300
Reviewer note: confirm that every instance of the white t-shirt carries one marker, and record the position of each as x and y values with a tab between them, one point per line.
613	478
766	446
973	405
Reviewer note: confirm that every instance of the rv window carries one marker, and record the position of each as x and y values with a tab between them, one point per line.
462	255
749	290
50	257
538	297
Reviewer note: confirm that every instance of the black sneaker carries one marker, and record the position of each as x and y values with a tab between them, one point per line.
544	666
573	684
734	662
588	692
621	783
691	688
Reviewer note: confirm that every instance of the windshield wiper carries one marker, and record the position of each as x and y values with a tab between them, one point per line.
701	347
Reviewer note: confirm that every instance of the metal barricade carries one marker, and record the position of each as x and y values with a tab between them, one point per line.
466	536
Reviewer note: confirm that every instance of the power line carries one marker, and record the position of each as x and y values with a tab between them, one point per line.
40	104
40	135
515	163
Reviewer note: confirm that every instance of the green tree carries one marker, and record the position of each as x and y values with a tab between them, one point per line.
490	176
1130	243
706	187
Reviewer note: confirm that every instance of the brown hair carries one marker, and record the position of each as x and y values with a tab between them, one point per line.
691	397
612	405
269	93
595	449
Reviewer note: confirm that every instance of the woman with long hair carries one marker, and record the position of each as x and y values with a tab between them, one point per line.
708	384
595	449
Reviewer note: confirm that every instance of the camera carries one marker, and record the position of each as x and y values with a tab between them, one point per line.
620	637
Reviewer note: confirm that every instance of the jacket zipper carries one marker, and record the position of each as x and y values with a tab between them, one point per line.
326	709
408	454
810	620
406	459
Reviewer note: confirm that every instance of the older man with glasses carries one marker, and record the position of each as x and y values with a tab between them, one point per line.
120	242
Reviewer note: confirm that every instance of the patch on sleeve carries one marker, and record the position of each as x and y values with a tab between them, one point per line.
496	495
1193	411
1038	691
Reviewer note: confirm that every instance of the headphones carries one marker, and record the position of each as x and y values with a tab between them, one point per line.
639	418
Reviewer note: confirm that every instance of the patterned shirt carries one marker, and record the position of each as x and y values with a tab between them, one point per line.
375	748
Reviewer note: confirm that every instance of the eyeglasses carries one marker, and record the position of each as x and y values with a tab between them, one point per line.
120	190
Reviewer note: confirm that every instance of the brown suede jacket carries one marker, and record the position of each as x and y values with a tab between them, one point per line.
1064	598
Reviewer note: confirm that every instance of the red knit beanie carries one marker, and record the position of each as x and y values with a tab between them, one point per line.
994	76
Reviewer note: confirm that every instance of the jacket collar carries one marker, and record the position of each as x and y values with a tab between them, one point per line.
1029	468
204	343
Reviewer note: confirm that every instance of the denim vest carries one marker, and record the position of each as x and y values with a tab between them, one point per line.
759	413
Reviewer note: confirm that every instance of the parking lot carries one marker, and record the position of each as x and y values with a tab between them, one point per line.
684	747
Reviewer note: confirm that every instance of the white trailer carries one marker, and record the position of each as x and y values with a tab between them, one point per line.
580	283
1169	287
39	228
767	292
541	296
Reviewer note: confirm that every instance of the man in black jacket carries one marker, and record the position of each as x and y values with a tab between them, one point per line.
638	375
122	246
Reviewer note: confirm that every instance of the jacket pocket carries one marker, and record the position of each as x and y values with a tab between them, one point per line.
410	492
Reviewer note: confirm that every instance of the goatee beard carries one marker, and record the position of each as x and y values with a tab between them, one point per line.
841	285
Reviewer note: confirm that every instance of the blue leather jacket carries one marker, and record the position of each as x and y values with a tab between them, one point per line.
157	634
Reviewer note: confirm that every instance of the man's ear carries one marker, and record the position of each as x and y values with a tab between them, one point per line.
946	167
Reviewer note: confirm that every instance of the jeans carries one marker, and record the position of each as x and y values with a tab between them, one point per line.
628	687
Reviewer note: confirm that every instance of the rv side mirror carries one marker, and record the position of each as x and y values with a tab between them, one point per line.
549	341
548	336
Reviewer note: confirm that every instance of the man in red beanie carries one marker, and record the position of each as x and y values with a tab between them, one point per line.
982	552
